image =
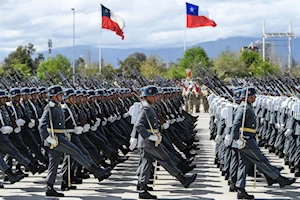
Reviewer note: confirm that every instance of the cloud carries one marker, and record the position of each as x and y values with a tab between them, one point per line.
148	24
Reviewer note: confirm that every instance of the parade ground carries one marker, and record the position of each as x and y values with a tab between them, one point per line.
122	183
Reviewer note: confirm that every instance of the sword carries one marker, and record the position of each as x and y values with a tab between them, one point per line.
51	128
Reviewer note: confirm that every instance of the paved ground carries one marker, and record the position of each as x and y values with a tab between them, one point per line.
122	184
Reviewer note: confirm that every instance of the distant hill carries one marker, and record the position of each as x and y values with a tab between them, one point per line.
213	48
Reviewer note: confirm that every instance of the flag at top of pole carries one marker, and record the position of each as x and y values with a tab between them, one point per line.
197	17
112	22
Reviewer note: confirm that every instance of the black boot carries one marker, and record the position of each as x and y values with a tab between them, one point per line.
283	181
50	192
242	194
42	168
13	177
270	181
138	187
64	186
146	195
32	168
188	168
186	181
297	172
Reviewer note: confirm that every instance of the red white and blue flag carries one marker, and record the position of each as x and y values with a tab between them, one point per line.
197	16
112	22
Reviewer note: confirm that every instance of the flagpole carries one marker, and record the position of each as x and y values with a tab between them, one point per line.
100	60
184	39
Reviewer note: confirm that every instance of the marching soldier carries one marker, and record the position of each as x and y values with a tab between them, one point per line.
52	130
249	152
149	140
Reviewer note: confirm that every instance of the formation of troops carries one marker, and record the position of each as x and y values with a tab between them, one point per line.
241	124
80	132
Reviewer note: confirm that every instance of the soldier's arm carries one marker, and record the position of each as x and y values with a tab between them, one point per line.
141	122
44	121
237	123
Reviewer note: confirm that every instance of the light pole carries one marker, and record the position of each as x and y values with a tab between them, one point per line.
73	45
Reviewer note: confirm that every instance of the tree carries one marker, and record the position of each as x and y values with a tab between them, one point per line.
133	61
107	71
227	64
153	66
36	62
52	65
22	55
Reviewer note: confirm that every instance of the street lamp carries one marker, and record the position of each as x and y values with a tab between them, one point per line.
73	45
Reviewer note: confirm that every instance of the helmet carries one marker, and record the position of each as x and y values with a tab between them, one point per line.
68	92
78	92
148	91
14	92
33	90
42	90
54	90
237	94
251	92
91	93
3	93
25	90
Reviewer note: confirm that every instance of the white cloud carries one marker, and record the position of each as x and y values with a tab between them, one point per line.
148	24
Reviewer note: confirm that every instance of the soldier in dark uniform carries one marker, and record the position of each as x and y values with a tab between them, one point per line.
249	151
149	141
52	130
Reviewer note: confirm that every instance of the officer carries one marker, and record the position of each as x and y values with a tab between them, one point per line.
149	141
52	130
249	151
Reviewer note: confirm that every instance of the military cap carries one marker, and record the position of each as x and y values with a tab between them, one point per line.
148	91
42	90
14	92
25	90
3	93
237	94
84	93
91	93
78	92
68	92
33	90
251	92
54	90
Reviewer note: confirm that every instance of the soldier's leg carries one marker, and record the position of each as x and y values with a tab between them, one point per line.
91	148
144	170
227	156
197	104
54	159
243	168
30	141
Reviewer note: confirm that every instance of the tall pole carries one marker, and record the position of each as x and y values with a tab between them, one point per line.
100	60
73	46
263	43
290	45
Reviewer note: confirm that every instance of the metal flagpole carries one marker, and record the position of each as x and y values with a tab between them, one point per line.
73	45
100	53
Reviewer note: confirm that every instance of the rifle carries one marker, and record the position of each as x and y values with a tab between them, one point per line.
66	81
49	77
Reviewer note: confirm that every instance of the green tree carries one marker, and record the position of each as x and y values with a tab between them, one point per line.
52	65
153	66
227	64
107	71
22	55
133	61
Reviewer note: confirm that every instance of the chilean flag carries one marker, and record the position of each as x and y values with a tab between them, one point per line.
197	16
113	22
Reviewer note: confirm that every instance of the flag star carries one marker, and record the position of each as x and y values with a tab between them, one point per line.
192	9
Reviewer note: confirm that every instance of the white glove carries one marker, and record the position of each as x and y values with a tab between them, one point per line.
262	120
153	138
31	124
78	130
288	133
51	141
173	121
165	126
86	128
110	119
215	120
20	122
93	128
98	121
168	121
227	140
104	123
17	130
178	119
277	125
218	138
133	143
119	117
7	129
173	116
241	143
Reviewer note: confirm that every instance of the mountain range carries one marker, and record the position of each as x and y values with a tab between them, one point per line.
213	48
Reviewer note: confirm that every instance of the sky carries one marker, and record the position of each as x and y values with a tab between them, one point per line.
148	23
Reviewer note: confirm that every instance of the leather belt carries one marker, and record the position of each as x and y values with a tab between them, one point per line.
249	130
154	130
60	130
